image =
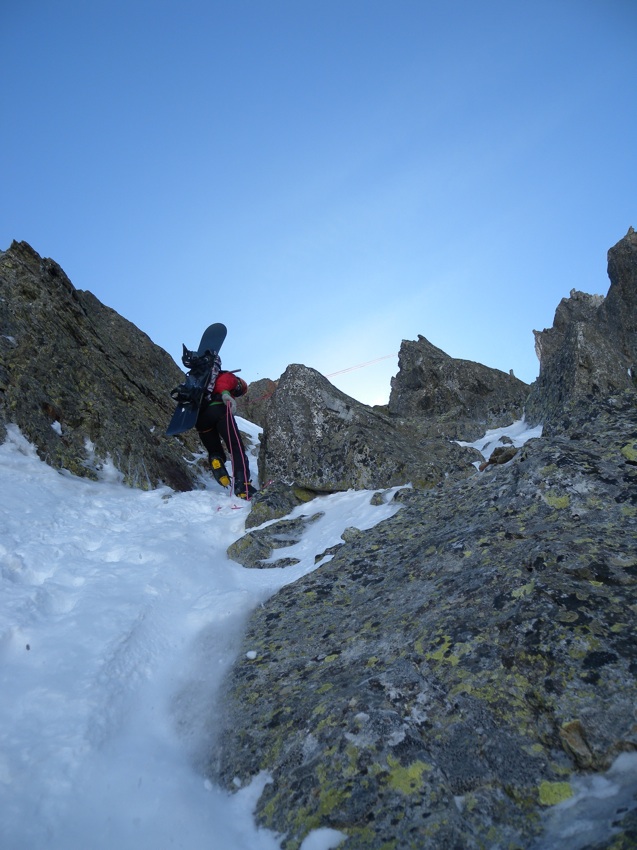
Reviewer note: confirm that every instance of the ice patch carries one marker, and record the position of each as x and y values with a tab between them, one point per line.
593	814
516	434
323	839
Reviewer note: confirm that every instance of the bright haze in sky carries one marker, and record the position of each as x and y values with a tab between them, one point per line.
326	177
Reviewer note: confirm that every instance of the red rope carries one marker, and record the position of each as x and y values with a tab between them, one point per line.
266	396
360	365
231	421
329	375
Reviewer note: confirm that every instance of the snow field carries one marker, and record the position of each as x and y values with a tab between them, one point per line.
120	613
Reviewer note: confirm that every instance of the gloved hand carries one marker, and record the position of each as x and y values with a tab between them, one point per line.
229	402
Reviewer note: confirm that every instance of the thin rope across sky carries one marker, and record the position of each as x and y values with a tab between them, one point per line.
360	365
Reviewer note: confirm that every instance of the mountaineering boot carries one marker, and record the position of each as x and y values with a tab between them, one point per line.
219	471
243	490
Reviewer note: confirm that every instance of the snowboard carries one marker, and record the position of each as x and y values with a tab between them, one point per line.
200	365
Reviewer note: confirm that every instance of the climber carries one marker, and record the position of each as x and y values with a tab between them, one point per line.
215	422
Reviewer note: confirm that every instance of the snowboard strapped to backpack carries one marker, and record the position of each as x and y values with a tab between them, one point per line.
202	373
203	367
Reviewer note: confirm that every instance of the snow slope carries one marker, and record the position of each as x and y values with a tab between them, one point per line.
119	615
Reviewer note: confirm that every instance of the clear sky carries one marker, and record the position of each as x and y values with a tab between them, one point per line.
327	177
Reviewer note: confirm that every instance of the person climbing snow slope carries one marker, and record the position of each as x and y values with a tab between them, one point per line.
215	423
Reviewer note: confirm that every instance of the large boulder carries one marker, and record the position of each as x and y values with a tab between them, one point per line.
591	350
320	439
82	383
458	398
439	682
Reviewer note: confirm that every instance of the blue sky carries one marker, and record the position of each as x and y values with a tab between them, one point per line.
327	177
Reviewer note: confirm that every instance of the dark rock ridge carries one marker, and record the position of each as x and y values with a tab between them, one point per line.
320	439
591	350
438	683
455	398
82	383
72	363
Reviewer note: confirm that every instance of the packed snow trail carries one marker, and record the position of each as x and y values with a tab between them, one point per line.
120	613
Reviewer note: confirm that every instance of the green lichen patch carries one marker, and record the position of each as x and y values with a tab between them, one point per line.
552	793
629	451
408	779
560	502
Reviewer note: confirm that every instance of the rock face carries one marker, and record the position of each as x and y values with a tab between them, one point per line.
84	384
81	382
620	307
439	681
320	439
591	350
437	684
457	398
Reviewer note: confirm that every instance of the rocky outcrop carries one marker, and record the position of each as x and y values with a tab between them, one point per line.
82	383
591	351
438	683
620	307
256	547
275	500
456	398
320	439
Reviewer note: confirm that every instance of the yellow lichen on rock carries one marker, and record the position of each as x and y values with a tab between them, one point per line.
552	793
407	779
